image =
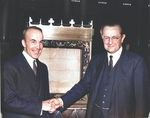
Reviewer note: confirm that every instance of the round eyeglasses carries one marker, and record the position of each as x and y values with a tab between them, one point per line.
107	38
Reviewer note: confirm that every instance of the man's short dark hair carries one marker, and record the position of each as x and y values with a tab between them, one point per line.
111	25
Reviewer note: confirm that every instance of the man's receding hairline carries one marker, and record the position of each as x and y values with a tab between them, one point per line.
114	25
30	28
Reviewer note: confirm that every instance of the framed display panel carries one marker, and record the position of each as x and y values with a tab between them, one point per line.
67	53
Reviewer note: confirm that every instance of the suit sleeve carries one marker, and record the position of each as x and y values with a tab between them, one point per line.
141	87
11	101
78	90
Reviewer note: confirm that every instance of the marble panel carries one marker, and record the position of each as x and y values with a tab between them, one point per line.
64	66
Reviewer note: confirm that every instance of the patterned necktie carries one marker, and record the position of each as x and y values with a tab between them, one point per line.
34	67
111	63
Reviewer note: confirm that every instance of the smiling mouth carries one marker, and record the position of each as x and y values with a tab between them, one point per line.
110	46
36	52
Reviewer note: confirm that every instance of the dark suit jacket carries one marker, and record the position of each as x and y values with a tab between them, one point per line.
130	90
21	96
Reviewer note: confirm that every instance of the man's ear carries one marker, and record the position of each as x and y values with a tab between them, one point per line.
23	43
123	37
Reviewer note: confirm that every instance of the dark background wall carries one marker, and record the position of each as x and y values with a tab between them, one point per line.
134	17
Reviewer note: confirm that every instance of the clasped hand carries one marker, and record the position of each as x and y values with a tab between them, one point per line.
52	104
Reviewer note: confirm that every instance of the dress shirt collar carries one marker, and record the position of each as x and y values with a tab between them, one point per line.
29	59
116	56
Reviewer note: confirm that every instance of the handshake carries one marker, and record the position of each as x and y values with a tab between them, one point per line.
52	104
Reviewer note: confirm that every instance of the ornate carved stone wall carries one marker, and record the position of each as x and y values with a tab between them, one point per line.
70	37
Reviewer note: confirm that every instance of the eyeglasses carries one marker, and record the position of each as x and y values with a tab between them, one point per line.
107	38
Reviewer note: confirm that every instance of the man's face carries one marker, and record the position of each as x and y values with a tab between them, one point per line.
112	38
33	44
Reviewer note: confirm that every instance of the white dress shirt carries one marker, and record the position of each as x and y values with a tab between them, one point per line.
116	56
29	59
30	62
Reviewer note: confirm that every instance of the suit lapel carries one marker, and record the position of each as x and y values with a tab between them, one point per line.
121	70
99	74
28	72
40	78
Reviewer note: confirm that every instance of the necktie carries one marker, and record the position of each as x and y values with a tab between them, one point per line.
34	67
111	63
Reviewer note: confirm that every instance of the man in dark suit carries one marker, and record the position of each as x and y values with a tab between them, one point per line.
117	86
25	85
